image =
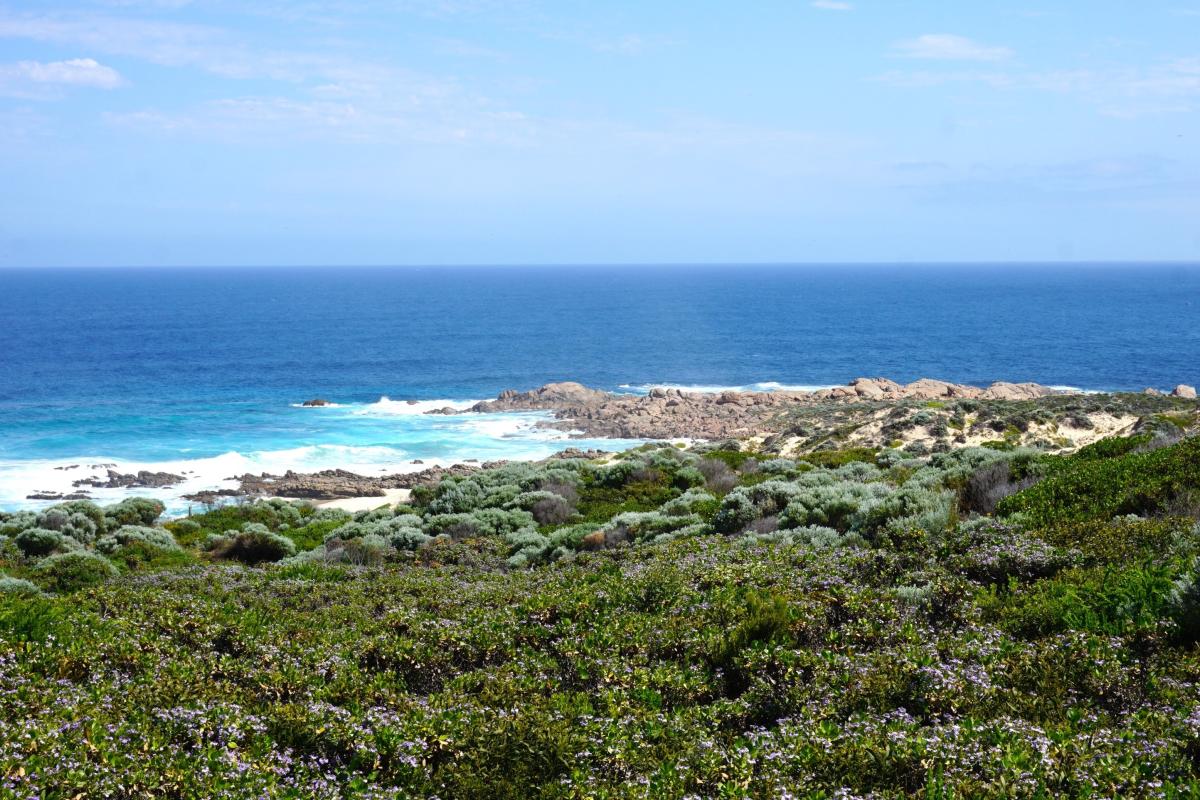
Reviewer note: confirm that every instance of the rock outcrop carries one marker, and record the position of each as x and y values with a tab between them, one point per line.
58	496
332	484
141	480
671	413
1184	391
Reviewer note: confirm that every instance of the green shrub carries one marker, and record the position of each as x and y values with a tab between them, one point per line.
30	617
839	458
1135	483
1125	539
1104	600
69	572
134	511
1110	447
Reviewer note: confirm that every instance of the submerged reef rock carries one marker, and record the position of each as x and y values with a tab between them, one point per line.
332	484
141	480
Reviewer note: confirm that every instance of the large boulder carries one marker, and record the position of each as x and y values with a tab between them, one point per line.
875	388
1002	390
929	389
1185	391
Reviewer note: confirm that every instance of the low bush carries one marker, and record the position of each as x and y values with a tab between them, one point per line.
17	586
134	511
159	538
252	545
1101	488
838	458
37	542
69	572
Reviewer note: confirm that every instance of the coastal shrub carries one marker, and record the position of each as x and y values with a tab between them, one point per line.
640	526
992	552
567	491
1111	447
17	587
365	551
69	572
838	458
843	506
1135	483
252	545
687	477
868	508
79	526
990	484
528	547
36	542
719	476
481	522
136	534
385	527
1127	538
133	511
1097	600
547	508
815	537
747	503
693	501
13	523
408	538
456	497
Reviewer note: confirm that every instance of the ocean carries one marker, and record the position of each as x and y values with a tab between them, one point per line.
201	371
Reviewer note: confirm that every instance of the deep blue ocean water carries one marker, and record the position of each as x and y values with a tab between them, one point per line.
200	368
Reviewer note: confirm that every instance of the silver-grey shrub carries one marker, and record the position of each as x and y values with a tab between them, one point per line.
748	503
37	542
687	503
13	523
17	586
136	534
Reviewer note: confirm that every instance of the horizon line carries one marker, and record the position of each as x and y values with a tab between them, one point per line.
630	264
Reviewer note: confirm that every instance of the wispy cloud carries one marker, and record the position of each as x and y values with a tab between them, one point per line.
832	5
949	47
38	79
1167	87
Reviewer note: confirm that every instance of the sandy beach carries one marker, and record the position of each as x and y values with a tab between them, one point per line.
355	504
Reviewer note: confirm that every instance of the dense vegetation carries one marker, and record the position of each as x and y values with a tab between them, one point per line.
989	622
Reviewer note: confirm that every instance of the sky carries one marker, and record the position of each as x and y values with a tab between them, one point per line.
215	132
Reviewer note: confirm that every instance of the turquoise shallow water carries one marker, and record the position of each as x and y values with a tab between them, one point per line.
200	370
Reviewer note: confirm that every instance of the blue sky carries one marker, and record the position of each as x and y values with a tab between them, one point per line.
515	131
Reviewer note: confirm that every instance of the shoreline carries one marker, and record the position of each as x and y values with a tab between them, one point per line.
925	415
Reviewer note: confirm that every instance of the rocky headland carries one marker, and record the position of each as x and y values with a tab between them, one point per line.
923	416
927	414
673	413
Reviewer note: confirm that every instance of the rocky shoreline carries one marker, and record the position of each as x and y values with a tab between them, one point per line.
868	412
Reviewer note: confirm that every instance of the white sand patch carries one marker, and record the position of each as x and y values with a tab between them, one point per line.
353	505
